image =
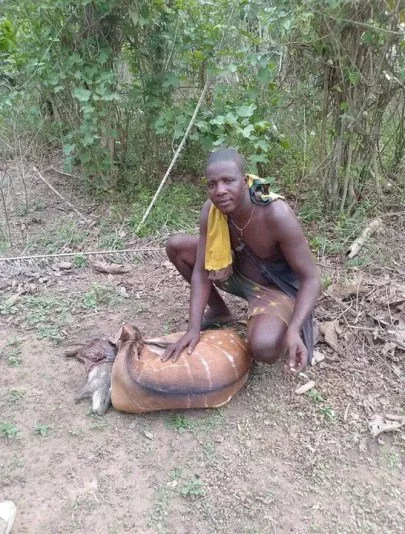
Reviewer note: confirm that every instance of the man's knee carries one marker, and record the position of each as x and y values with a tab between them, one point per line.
267	350
175	245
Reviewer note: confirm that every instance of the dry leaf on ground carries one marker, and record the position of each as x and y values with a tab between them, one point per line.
343	291
328	330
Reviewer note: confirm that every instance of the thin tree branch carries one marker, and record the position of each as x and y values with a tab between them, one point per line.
60	196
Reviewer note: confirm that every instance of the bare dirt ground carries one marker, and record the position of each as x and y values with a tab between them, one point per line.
269	461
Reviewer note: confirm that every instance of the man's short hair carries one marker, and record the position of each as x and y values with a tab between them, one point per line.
227	154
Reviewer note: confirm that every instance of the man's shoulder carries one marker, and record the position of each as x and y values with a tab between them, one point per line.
278	211
206	208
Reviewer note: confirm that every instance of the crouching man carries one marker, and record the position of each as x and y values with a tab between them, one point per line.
251	245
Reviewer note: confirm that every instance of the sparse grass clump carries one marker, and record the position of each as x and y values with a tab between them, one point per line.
67	236
193	488
80	261
13	357
326	410
16	395
180	423
8	430
178	209
42	429
99	295
47	315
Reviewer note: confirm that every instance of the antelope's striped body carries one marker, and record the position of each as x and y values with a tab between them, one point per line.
208	378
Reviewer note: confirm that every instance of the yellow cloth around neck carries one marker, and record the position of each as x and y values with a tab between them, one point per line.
218	253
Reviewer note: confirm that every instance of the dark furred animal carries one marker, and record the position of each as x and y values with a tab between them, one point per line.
98	357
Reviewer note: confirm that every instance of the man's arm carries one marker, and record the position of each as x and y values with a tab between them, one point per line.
201	287
294	246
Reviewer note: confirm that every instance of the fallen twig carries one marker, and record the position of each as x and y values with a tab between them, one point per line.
60	196
373	226
111	268
5	212
80	253
63	173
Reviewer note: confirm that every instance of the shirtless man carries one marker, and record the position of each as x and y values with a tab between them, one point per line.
273	236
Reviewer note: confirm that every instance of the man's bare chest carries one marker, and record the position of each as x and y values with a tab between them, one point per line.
264	246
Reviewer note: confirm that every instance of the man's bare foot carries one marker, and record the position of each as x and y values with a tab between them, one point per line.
212	318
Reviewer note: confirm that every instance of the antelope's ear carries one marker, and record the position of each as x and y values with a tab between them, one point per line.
126	333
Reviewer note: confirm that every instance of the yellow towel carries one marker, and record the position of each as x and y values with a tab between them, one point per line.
218	253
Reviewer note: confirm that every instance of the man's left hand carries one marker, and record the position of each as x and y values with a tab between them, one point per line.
297	356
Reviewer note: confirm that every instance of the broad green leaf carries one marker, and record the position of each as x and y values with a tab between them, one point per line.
246	111
231	119
219	120
220	141
198	55
247	131
68	149
171	80
262	145
261	126
258	158
82	95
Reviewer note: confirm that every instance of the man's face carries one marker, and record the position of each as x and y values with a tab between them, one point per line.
226	185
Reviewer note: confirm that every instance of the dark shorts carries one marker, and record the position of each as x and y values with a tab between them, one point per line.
268	300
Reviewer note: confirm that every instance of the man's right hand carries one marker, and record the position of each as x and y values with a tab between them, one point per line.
190	340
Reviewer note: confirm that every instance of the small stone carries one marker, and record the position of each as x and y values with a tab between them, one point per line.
123	292
317	357
306	387
64	265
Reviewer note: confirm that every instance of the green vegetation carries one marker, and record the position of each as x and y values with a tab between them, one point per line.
181	423
318	399
42	429
8	430
193	488
309	91
160	512
13	357
67	235
16	395
49	316
80	261
99	295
